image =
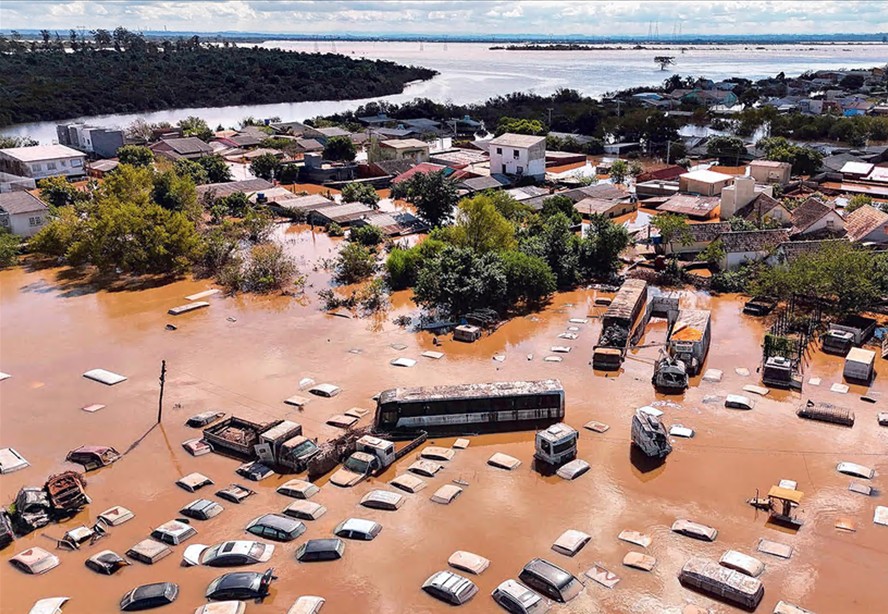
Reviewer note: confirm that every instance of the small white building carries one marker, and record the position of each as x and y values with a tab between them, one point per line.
521	155
22	213
704	182
770	171
749	246
407	149
41	161
743	192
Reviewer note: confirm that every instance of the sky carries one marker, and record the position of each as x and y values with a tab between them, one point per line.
542	17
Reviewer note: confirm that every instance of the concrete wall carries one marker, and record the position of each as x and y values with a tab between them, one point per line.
24	224
830	221
529	162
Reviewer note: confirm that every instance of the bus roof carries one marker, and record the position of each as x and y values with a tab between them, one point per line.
470	391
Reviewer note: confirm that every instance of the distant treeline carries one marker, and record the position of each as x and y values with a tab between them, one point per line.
125	73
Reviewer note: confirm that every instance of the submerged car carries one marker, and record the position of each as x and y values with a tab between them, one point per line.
241	585
35	561
550	580
204	418
173	532
695	530
383	500
450	587
235	493
106	562
356	468
518	599
305	510
201	509
228	554
149	596
276	527
357	528
298	489
222	607
255	471
93	457
320	550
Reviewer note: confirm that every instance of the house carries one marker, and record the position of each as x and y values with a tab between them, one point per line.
770	171
495	181
392	223
704	182
656	188
407	149
603	206
762	209
103	142
867	225
698	237
789	251
621	149
301	205
322	135
291	128
810	106
814	217
22	213
188	148
395	133
100	168
667	173
879	174
749	246
710	97
41	161
15	183
343	215
852	170
742	193
520	155
317	170
227	188
459	158
694	206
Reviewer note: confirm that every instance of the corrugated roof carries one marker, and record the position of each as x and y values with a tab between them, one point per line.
689	204
21	202
517	140
405	144
230	187
36	153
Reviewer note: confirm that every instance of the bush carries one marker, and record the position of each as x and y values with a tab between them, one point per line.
354	263
9	248
368	236
265	269
360	193
334	230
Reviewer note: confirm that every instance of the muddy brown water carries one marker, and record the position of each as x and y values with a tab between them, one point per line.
53	331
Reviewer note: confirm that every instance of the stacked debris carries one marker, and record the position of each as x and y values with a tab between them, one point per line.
614	336
334	451
62	496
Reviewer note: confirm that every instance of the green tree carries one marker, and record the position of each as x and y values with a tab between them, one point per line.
713	253
368	236
515	125
857	201
192	169
176	193
58	192
217	169
619	171
433	194
728	149
195	126
479	226
236	204
402	265
561	204
600	248
510	208
135	155
267	269
558	247
673	227
457	280
354	263
340	148
267	166
9	248
9	142
529	280
804	160
360	193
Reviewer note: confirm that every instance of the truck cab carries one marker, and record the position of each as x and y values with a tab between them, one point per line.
556	445
372	456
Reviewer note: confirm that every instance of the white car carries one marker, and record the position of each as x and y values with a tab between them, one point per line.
228	554
35	561
357	528
450	587
518	599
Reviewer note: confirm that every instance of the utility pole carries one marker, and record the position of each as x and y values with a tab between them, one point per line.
163	370
550	109
668	150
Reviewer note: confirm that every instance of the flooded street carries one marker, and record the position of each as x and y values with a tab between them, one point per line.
245	355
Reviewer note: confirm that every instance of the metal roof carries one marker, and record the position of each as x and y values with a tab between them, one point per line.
21	202
517	140
36	153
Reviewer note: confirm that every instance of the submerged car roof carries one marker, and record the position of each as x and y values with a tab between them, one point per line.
238	579
277	521
550	572
158	589
450	582
322	545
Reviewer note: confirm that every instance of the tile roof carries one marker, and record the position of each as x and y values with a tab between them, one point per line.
423	167
753	240
188	145
759	208
21	202
599	190
863	221
701	233
807	214
590	206
793	249
517	140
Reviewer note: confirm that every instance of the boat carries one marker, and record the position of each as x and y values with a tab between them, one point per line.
649	435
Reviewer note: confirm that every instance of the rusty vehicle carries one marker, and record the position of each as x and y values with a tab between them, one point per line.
32	510
93	457
66	491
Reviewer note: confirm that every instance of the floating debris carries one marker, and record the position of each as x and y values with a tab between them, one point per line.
759	390
433	355
742	371
553	359
171	327
573	329
398	346
231	319
814	381
461	444
103	376
4	376
204	294
402	362
177	311
570	336
839	388
560	349
596	426
499	357
578	320
601	575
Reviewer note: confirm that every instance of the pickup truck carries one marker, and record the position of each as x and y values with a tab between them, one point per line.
373	455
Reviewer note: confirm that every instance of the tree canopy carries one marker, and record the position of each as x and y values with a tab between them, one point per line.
340	148
433	194
360	193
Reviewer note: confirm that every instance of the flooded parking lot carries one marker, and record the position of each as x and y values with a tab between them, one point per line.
245	355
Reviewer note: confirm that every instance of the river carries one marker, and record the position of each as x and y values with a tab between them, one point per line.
471	72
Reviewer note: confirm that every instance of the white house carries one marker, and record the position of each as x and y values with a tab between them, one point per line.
742	193
407	149
769	171
22	213
519	155
749	246
704	182
41	161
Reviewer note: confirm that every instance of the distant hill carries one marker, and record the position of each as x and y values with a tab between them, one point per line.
46	82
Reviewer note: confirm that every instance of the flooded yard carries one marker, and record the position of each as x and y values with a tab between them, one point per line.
245	355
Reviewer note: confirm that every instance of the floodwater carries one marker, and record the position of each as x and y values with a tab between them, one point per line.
472	72
244	355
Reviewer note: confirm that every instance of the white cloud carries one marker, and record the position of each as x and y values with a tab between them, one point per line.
592	17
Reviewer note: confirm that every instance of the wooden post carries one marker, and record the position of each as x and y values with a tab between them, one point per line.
163	370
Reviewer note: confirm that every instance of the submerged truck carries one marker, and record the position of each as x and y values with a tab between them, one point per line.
279	443
556	445
686	349
372	456
849	332
617	325
649	435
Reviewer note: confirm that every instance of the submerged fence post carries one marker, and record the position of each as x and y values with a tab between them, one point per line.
163	370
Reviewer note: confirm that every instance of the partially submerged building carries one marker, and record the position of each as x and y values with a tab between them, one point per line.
521	155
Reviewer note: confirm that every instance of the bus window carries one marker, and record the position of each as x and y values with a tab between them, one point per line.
389	416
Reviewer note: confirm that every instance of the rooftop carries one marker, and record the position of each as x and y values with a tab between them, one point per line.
856	168
753	240
807	214
863	221
42	152
706	176
188	145
759	208
517	140
688	204
231	187
21	202
405	144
